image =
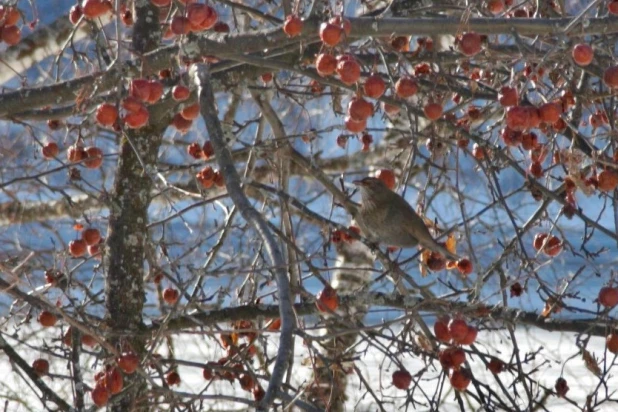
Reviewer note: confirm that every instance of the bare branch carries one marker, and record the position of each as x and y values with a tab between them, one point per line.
232	182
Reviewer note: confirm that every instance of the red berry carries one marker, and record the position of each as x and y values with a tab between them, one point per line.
342	141
478	152
402	379
172	378
610	77
536	169
390	109
88	340
374	86
180	93
458	328
246	382
207	150
470	43
138	119
561	387
191	112
520	118
406	87
128	362
608	180
582	54
127	17
464	266
106	114
206	177
133	104
180	123
470	336
366	139
221	27
496	366
50	150
170	295
266	77
452	358
47	319
325	64
207	372
327	299
274	325
91	236
155	91
9	16
508	96
94	157
539	240
195	151
529	141
113	380
355	126
330	34
400	43
460	379
180	25
495	6
96	8
201	17
99	394
608	297
343	23
293	26
41	367
441	330
516	289
387	176
360	109
11	35
433	111
349	71
553	246
77	248
612	343
258	393
550	112
218	179
75	14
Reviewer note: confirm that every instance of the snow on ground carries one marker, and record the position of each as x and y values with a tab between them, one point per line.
376	368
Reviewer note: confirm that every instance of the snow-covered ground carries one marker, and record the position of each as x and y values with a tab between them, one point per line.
555	352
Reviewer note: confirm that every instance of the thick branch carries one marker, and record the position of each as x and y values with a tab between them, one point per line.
375	26
223	46
232	183
128	220
592	326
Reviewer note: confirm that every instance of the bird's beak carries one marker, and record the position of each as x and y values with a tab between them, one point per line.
358	183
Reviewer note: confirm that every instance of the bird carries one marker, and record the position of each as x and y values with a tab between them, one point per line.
385	217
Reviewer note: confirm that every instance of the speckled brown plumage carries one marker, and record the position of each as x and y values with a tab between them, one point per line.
386	217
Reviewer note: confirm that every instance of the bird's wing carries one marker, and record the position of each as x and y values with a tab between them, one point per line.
405	213
417	227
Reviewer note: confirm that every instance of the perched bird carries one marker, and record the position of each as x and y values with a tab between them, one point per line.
386	217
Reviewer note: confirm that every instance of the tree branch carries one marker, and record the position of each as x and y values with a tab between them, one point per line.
591	326
23	365
233	185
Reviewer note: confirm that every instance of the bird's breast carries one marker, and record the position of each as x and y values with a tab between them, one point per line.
382	225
